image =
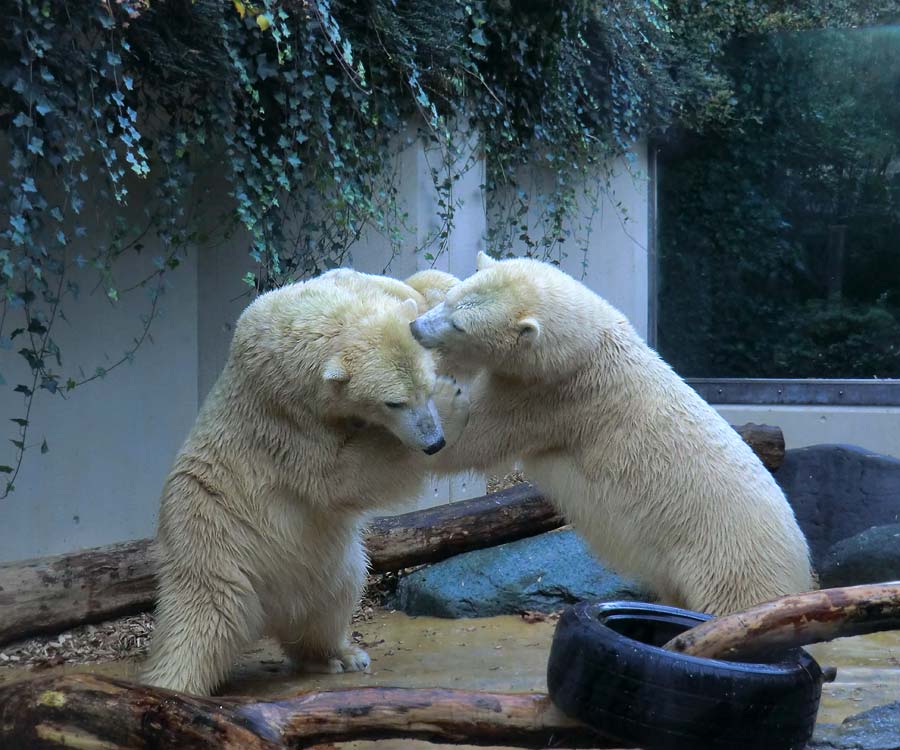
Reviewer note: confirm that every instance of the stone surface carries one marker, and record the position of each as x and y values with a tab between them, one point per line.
870	557
838	491
875	729
544	573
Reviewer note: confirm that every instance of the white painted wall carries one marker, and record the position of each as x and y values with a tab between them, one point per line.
112	442
614	229
871	427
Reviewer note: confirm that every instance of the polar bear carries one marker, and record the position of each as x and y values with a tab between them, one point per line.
658	483
427	288
326	410
432	285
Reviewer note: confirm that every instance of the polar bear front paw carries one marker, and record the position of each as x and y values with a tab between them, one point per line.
451	398
354	659
349	659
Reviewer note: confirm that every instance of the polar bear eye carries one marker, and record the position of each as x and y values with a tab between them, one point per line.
394	404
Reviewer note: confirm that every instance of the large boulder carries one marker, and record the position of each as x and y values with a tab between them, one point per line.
838	491
875	729
870	557
544	573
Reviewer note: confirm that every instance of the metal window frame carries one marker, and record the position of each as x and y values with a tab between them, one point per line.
756	391
798	392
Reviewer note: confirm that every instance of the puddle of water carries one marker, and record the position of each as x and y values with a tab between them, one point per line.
503	654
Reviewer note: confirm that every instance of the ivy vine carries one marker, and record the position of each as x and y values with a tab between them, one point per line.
302	105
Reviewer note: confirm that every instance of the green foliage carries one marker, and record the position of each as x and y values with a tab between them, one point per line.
302	106
759	219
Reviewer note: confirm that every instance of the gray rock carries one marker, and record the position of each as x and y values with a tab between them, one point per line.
875	729
544	573
870	557
838	491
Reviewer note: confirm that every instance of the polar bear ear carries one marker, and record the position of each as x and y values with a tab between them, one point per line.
409	308
529	330
484	261
335	371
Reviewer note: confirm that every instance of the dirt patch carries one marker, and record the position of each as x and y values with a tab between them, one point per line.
129	637
497	483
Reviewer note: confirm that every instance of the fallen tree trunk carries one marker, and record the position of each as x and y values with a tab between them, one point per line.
793	621
425	536
80	711
767	442
50	594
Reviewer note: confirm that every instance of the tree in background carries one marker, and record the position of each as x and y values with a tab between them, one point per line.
780	232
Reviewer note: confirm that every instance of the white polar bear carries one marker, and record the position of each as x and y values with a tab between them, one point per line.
660	485
325	411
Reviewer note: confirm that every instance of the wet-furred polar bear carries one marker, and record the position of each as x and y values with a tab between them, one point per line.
325	411
658	483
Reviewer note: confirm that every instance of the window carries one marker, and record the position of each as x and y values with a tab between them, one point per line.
779	241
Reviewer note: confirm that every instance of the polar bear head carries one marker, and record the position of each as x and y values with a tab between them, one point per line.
378	374
517	317
340	350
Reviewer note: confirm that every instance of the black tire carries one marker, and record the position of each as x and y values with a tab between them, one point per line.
607	670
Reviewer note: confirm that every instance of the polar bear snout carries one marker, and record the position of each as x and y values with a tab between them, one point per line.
435	447
419	427
430	328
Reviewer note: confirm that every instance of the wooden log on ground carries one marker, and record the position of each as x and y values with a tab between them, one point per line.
767	442
433	534
50	594
89	711
794	621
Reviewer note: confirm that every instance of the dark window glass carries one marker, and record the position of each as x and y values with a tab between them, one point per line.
779	237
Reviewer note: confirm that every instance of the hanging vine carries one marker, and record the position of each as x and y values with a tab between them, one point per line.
302	106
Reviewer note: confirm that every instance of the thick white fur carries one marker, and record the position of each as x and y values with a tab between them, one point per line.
261	517
427	288
658	483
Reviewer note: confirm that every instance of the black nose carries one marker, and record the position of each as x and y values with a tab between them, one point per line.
435	447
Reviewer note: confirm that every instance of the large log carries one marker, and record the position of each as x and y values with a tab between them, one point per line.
75	712
767	442
50	594
424	536
793	621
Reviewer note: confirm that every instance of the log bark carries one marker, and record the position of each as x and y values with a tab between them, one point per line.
767	442
433	534
51	594
794	621
80	711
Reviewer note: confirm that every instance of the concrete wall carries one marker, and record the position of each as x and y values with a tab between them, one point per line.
112	442
609	238
874	428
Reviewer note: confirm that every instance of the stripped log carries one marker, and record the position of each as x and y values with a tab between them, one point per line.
793	621
89	711
51	594
767	443
433	534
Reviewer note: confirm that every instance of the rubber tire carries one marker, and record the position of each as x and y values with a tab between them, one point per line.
606	669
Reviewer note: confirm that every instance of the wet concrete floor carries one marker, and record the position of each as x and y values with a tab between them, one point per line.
502	654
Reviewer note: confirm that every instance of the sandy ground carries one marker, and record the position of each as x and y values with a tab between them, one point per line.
499	653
